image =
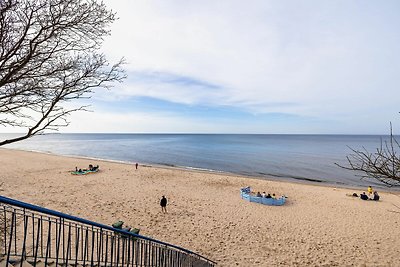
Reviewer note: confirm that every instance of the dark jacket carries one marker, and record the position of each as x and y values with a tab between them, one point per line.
163	202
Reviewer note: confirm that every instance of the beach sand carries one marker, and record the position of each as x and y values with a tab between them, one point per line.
318	226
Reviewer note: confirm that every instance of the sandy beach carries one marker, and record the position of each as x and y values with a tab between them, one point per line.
318	226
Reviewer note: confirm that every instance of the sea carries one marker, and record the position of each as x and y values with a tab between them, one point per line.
303	158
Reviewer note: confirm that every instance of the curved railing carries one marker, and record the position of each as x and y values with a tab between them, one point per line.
34	235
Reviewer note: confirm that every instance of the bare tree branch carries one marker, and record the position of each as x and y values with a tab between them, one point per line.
49	56
382	165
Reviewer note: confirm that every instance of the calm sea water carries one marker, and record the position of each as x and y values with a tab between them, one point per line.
299	157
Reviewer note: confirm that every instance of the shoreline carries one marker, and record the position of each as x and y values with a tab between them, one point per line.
266	177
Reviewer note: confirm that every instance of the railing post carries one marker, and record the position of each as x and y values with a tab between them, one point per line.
133	250
68	245
106	249
13	219
99	246
128	250
58	238
76	244
112	251
123	251
63	239
41	236
118	248
5	230
92	256
85	247
33	232
24	242
48	246
37	242
15	232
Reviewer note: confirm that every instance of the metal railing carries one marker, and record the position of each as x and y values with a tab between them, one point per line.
32	234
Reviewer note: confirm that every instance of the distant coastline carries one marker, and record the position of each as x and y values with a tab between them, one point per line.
301	158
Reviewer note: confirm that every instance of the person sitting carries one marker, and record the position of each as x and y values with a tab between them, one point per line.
135	231
363	196
376	196
263	194
127	228
273	196
370	191
90	167
268	196
118	224
258	194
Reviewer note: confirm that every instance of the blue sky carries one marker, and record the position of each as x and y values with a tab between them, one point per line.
251	67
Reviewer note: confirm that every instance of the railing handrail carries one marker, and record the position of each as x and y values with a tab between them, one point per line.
25	205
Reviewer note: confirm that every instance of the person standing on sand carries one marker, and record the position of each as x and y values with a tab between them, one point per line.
136	165
163	204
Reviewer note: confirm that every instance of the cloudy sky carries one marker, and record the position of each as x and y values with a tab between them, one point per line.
251	67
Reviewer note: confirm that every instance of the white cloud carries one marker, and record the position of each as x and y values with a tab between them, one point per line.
322	57
168	87
333	61
139	122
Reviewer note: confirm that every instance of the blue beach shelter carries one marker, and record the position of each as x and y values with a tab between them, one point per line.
245	194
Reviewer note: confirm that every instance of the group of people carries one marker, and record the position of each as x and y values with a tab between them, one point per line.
265	195
372	195
91	168
119	224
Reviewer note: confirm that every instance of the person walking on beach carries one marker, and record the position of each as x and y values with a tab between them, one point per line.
163	204
136	165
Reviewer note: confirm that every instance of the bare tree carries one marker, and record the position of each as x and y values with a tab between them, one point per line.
382	165
49	57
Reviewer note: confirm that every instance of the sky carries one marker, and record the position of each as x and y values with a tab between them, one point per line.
273	67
